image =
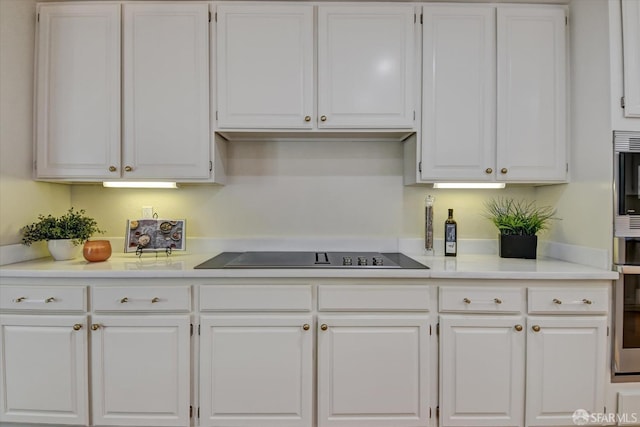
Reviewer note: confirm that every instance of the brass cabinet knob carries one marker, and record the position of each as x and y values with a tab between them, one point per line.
518	328
155	299
535	328
557	301
50	299
77	327
306	326
128	168
112	169
497	300
323	118
95	327
20	299
504	170
123	300
307	118
488	170
587	301
466	300
324	327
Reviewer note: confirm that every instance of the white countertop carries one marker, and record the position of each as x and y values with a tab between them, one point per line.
181	265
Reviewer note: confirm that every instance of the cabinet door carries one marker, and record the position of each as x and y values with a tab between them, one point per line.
631	56
477	354
265	66
256	371
373	370
531	75
78	91
166	91
458	101
366	67
140	370
566	368
43	369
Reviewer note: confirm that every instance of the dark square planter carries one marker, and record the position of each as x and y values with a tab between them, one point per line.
516	246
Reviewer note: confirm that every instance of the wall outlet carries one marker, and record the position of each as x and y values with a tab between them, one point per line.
147	212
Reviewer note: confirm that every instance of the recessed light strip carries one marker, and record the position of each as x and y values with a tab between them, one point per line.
469	185
139	184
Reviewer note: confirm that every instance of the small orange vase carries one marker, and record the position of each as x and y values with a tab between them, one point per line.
96	250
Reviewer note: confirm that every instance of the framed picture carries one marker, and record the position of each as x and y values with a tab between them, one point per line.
148	235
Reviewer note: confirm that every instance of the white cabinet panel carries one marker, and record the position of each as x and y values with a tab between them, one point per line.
458	101
43	369
366	66
373	370
265	66
482	370
140	370
256	371
166	91
531	96
78	91
631	56
566	368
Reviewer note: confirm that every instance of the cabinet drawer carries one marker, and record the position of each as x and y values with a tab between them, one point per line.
485	300
373	298
43	298
139	298
255	298
565	300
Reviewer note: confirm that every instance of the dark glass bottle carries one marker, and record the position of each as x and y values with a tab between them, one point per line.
450	236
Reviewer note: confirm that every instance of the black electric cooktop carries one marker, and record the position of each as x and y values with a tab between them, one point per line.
276	259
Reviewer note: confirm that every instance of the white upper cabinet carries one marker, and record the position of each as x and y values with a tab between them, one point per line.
458	107
631	56
364	77
265	66
166	90
78	91
531	75
366	66
494	111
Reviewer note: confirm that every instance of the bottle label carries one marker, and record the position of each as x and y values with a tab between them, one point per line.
450	239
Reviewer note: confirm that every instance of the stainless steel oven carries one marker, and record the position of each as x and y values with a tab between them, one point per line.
627	324
626	255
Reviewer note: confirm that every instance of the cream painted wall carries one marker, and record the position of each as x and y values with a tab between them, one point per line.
21	199
587	202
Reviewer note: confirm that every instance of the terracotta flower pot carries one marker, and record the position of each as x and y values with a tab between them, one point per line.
96	250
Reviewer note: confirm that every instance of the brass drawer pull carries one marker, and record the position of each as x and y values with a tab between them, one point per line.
535	328
20	299
587	301
324	327
77	327
323	118
123	300
488	171
466	300
557	301
154	300
518	328
50	299
497	300
307	118
306	326
95	327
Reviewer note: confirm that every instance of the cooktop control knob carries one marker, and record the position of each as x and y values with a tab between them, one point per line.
346	260
377	260
362	260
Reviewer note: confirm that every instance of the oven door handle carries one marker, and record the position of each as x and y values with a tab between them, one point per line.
629	269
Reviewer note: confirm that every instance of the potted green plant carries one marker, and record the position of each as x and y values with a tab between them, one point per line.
518	222
63	234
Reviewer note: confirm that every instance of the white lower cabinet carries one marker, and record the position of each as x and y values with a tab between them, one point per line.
256	370
140	370
566	368
505	370
43	369
373	370
482	370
